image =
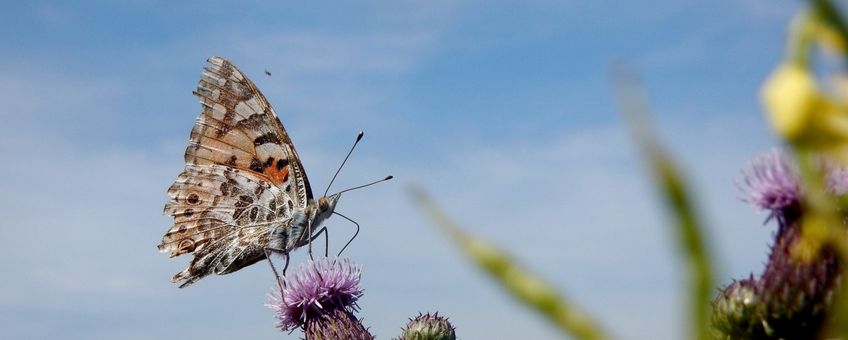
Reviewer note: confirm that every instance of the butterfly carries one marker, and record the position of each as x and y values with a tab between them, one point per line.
243	193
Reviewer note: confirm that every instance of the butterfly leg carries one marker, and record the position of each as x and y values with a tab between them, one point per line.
352	237
326	241
268	252
309	246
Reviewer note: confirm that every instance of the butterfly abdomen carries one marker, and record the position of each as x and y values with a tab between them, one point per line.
293	233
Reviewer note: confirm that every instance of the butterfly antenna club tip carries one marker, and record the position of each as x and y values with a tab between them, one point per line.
358	138
366	185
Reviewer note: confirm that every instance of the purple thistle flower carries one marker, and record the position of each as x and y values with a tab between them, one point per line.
791	298
316	291
771	182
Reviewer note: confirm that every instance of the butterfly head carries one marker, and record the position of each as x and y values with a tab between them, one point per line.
327	204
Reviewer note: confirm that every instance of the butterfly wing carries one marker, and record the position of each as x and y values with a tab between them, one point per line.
239	128
242	177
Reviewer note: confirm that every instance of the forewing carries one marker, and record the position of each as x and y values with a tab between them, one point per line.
238	128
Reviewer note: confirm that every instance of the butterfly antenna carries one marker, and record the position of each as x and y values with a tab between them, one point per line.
358	138
365	185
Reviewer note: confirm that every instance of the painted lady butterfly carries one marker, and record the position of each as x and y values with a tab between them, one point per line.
243	192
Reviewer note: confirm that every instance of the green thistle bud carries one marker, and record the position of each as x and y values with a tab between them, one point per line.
428	327
736	312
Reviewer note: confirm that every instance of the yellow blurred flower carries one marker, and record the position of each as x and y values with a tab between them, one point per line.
791	99
801	114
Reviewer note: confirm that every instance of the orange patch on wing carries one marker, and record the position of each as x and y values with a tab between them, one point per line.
276	176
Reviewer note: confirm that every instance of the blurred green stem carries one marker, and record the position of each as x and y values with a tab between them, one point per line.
527	287
827	12
823	227
675	193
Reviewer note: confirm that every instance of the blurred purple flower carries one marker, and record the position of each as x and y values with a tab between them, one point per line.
316	290
791	298
771	182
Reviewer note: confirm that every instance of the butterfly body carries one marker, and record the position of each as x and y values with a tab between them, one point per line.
244	189
299	228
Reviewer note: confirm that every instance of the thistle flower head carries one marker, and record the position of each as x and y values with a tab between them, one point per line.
428	327
316	289
790	299
771	182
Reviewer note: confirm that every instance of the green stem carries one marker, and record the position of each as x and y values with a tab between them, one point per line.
828	13
824	228
675	193
800	37
522	284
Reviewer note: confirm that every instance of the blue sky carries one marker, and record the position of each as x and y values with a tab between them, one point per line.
502	110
